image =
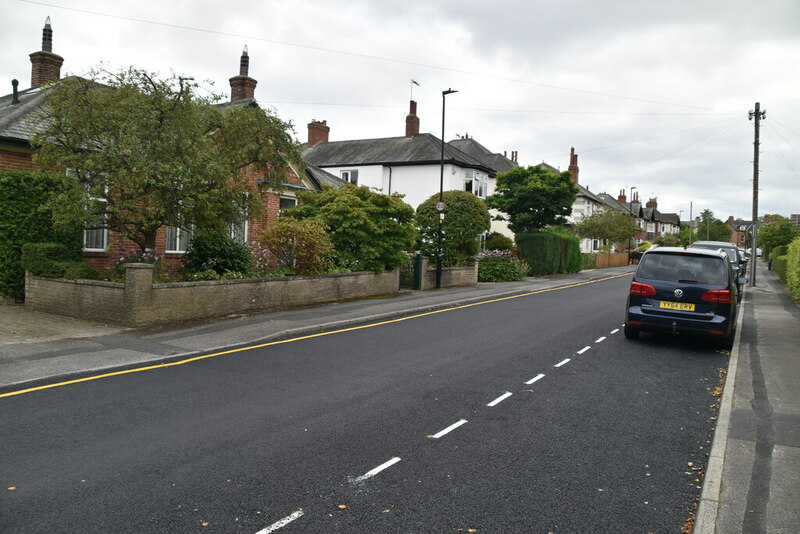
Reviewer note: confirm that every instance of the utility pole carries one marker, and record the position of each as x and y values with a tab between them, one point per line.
757	115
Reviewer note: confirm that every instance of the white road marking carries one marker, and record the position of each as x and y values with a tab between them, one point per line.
615	331
281	523
500	399
535	378
600	339
562	362
448	429
371	473
584	349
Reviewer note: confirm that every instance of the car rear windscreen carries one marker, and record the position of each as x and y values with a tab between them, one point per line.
684	268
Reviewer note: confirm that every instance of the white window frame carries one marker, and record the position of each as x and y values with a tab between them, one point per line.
181	240
350	176
241	233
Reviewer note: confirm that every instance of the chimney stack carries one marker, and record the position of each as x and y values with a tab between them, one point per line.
412	121
243	87
573	165
317	132
45	65
652	203
622	199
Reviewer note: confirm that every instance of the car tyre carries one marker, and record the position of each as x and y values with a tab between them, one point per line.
631	332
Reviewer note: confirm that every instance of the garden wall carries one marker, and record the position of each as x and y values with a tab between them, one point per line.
451	276
139	302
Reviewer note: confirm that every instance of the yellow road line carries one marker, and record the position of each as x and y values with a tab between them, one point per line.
300	338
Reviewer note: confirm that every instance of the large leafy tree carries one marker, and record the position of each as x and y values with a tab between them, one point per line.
135	152
610	225
533	198
466	218
711	228
369	231
778	232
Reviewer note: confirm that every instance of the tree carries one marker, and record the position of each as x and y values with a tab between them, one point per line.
609	225
778	232
712	229
532	198
135	153
466	218
369	231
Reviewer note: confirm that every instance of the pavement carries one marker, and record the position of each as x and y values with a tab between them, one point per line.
752	480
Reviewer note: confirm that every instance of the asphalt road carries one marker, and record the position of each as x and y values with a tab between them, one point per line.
386	428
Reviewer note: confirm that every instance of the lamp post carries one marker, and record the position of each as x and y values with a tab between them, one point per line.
630	206
440	206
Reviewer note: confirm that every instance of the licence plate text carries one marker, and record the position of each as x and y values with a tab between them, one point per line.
684	306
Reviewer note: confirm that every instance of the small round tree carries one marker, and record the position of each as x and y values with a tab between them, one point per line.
466	218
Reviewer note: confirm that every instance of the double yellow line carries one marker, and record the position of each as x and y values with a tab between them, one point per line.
291	340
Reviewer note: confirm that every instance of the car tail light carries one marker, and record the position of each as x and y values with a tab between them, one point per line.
720	295
638	288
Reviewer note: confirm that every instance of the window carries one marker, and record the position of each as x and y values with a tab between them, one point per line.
481	185
177	239
238	232
350	176
286	203
95	239
469	176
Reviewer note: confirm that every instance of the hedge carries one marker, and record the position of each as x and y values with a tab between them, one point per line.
24	219
550	252
54	260
793	268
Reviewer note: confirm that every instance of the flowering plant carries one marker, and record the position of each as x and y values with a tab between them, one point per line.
125	256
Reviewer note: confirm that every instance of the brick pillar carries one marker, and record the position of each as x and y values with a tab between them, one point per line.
138	291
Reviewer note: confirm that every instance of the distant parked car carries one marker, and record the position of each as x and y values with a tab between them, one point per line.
677	290
737	259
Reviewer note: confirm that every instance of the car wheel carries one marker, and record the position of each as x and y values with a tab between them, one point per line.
631	332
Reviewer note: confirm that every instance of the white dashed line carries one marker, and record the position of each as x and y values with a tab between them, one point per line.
584	349
562	362
535	378
600	339
281	523
615	331
448	429
371	473
500	399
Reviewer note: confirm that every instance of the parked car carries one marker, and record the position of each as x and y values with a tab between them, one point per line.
737	259
677	290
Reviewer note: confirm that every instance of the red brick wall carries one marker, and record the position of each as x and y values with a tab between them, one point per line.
16	161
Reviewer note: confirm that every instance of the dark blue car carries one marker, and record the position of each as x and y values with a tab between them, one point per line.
677	290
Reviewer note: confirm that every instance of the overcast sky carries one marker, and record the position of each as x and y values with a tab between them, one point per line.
652	95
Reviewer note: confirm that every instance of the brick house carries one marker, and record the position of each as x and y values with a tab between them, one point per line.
20	120
739	231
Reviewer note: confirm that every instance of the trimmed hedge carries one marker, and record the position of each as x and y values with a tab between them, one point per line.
24	219
793	268
54	260
500	266
550	252
779	265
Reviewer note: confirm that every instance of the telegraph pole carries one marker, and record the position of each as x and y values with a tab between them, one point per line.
757	115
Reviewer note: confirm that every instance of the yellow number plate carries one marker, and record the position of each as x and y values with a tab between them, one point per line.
685	306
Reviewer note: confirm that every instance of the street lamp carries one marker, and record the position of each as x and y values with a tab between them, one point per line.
440	206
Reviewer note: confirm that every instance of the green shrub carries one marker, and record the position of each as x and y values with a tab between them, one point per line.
500	266
466	218
588	261
779	265
550	252
793	268
49	260
644	245
80	271
25	219
497	241
302	245
215	250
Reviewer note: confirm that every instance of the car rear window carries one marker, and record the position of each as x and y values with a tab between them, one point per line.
685	268
732	256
